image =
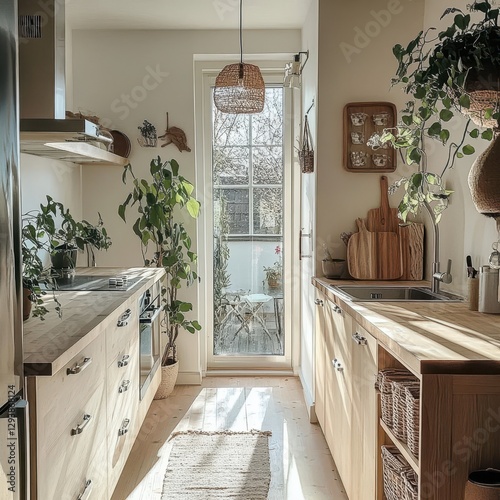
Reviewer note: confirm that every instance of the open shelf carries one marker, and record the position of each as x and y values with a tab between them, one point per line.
402	447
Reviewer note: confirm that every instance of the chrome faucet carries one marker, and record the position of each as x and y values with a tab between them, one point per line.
437	275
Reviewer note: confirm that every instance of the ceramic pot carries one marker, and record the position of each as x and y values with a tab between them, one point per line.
333	268
484	180
273	283
483	485
64	257
168	379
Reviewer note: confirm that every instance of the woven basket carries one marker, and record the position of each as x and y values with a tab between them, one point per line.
399	406
412	398
484	180
306	154
410	484
480	101
393	465
384	385
168	378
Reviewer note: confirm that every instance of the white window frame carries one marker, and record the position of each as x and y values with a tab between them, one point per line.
205	73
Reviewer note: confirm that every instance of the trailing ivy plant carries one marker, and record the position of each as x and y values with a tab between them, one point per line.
439	71
160	200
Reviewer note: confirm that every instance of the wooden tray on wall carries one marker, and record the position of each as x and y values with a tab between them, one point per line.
361	120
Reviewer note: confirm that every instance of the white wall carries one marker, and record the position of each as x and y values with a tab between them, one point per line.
60	180
354	67
128	76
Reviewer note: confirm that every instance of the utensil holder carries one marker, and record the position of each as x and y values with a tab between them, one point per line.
473	293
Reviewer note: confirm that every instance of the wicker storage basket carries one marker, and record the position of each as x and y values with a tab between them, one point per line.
399	406
306	153
410	484
384	385
393	465
168	378
412	398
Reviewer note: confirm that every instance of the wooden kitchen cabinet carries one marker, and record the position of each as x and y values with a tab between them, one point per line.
345	377
68	427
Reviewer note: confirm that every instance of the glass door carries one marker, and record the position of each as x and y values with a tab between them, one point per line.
249	154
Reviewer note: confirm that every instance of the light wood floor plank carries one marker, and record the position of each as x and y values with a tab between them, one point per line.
301	465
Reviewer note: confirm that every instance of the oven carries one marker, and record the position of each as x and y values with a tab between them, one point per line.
149	336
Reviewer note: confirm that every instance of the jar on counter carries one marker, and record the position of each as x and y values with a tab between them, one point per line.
488	290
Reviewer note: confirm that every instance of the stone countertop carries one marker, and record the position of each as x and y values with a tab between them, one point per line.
51	344
435	337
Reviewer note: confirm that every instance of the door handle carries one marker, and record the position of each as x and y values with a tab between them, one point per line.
359	339
81	427
78	368
318	302
123	321
87	490
303	235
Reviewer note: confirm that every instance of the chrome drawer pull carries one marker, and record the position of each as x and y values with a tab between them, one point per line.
124	361
359	339
124	386
318	302
123	321
78	368
124	428
337	365
81	427
85	494
337	309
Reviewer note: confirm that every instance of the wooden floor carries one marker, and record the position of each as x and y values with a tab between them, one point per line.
301	464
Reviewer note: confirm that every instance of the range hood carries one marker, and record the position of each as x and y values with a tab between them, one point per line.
45	130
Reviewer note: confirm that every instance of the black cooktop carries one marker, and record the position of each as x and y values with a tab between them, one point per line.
85	282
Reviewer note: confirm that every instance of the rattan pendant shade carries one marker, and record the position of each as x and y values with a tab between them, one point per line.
239	88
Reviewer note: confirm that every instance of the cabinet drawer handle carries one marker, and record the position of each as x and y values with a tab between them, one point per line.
123	321
124	428
337	365
124	386
79	367
81	427
337	309
87	490
359	339
124	361
318	302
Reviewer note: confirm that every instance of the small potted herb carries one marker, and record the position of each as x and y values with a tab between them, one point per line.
149	136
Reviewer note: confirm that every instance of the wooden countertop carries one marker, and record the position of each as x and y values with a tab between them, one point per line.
434	337
51	344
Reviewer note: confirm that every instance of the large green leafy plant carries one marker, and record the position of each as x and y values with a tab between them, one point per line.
43	232
160	201
440	71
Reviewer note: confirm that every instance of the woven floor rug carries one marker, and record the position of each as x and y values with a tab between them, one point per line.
218	465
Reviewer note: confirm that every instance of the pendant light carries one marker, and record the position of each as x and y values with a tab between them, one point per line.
239	88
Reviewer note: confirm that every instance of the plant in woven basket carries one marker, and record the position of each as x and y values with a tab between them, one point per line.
455	70
161	201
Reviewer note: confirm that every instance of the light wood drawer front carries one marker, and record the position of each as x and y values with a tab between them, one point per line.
62	398
123	384
118	337
122	414
124	364
77	456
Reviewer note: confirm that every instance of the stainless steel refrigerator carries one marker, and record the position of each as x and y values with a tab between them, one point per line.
13	406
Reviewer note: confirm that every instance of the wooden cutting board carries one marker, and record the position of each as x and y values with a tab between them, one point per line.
412	251
361	258
374	256
384	218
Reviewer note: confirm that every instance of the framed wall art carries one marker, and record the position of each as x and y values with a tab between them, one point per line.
361	120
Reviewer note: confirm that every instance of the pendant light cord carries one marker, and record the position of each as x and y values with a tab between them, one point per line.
241	31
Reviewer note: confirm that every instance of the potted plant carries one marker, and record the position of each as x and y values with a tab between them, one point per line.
70	236
149	136
273	273
332	268
443	73
161	201
41	235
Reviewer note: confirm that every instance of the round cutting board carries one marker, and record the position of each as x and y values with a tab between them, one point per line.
121	143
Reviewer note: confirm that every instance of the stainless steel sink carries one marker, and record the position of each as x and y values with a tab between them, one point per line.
390	293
